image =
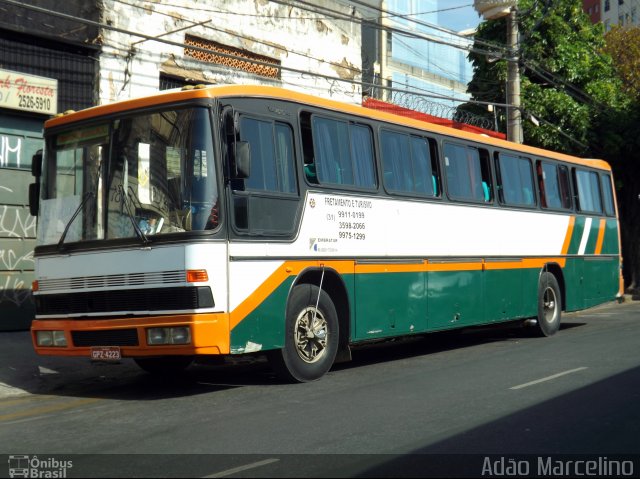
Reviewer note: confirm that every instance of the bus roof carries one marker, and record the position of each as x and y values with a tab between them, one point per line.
258	91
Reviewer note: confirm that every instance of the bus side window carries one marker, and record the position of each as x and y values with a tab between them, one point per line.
541	184
485	171
607	195
468	173
309	167
338	152
515	180
588	191
565	187
408	164
555	191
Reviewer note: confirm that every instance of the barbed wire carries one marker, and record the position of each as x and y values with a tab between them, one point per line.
430	106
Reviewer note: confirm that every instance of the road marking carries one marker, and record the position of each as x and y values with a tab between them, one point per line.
6	390
47	409
548	378
22	400
253	465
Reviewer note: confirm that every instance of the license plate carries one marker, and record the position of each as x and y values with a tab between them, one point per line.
106	353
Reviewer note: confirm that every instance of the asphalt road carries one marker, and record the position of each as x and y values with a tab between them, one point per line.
432	407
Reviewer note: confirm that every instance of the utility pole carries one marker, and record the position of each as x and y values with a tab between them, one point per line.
385	94
514	116
492	9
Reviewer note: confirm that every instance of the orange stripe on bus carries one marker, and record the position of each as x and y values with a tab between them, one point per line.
294	268
567	238
600	241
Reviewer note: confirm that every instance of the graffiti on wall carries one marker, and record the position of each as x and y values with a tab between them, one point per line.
15	222
10	151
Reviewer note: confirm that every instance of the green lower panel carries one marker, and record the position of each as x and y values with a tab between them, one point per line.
389	304
503	294
591	280
455	299
263	328
395	304
611	242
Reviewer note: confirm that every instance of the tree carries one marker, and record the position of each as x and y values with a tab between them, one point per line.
620	140
623	44
564	81
586	102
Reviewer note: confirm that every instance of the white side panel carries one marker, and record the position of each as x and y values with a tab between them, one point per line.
349	226
213	258
246	276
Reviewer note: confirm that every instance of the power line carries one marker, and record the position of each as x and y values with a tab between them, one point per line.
420	92
221	54
412	34
417	14
498	47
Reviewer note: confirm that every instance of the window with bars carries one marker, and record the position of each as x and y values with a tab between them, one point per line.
232	57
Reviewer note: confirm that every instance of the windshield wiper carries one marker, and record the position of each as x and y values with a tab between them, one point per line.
85	198
143	237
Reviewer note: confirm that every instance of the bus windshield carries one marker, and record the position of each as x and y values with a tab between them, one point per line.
132	177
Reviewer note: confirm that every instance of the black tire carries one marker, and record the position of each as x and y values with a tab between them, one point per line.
311	336
549	305
164	365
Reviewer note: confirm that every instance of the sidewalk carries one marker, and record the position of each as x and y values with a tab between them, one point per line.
22	371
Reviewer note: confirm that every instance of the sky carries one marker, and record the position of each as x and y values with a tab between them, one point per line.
457	15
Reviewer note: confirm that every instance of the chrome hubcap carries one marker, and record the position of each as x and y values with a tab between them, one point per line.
311	335
550	305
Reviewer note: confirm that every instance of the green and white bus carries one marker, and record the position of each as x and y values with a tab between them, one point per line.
235	220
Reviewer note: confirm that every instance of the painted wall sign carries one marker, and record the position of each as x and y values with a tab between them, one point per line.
20	91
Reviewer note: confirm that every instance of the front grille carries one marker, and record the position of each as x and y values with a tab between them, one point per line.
154	299
115	337
113	280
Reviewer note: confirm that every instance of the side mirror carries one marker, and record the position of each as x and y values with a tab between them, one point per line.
34	198
36	164
242	157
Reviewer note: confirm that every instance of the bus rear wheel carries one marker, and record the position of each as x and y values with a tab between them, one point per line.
165	364
311	336
549	305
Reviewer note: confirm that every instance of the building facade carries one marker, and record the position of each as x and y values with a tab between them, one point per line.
620	12
592	8
412	48
47	64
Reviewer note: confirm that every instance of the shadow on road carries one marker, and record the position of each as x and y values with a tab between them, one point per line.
597	422
442	341
23	371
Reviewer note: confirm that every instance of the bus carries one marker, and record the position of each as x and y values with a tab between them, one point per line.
235	220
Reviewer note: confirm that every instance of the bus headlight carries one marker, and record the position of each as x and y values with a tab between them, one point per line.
157	336
175	335
48	339
180	335
59	339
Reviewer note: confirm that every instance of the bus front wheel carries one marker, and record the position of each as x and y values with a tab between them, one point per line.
311	336
549	305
